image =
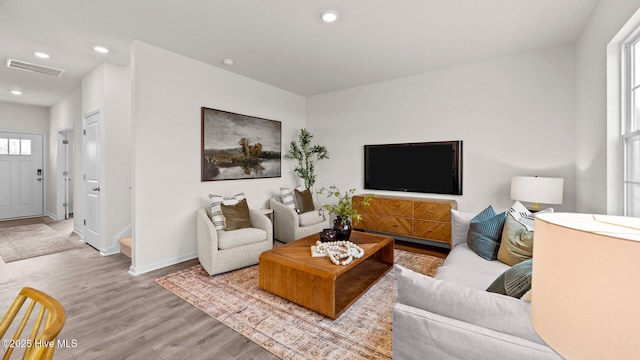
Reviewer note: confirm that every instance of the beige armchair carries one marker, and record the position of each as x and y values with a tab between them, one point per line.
290	226
221	251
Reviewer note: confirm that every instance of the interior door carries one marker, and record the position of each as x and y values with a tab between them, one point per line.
92	183
65	176
64	190
21	175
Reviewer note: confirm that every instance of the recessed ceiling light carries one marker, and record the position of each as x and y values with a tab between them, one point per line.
101	49
227	62
16	92
41	55
329	16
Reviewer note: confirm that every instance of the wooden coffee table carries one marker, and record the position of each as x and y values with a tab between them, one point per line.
290	271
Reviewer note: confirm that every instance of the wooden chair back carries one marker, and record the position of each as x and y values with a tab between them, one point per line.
47	322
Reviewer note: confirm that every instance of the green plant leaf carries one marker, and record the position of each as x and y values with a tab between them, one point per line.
306	157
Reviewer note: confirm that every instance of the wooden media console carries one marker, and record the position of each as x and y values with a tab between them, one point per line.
418	220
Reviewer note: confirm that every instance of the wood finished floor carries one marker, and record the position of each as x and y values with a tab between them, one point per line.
114	315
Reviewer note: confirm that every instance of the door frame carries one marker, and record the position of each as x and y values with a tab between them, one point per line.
45	176
60	187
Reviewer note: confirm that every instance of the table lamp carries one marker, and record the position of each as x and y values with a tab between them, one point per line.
585	297
537	189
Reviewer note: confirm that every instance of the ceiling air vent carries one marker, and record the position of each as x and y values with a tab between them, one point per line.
23	65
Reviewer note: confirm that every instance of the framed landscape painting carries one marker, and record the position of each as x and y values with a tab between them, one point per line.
236	146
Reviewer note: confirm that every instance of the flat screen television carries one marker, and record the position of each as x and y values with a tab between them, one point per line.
426	167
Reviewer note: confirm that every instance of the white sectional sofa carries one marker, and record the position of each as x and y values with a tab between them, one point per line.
452	316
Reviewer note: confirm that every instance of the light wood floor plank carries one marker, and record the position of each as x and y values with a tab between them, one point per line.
114	315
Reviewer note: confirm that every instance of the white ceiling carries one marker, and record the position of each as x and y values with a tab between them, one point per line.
280	42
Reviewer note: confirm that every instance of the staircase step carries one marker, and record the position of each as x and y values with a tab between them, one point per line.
125	246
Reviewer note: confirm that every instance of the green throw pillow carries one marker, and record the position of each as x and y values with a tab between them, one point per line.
485	232
515	281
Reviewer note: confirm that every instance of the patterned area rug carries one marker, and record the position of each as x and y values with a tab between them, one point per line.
28	241
288	330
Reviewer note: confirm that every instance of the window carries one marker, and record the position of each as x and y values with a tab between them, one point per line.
25	147
15	146
631	128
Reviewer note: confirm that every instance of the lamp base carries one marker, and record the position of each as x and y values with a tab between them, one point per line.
535	208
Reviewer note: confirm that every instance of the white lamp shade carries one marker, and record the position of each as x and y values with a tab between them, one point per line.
586	285
537	189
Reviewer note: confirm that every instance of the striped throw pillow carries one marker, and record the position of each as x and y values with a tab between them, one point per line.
288	198
216	210
522	215
515	282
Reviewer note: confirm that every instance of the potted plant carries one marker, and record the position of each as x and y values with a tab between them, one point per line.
307	156
343	209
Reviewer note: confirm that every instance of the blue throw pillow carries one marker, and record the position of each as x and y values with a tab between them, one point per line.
485	233
515	282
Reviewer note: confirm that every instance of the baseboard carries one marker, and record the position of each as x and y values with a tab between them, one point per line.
111	251
52	216
79	231
115	249
137	270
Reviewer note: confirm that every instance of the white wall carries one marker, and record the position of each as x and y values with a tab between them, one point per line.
515	115
108	89
168	93
598	164
24	118
65	114
116	156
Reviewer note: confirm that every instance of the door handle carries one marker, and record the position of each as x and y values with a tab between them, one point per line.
96	189
39	179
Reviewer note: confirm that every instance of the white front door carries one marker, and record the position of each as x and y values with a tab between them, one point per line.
21	175
92	183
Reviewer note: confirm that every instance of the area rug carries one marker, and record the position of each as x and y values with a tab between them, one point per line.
290	331
28	241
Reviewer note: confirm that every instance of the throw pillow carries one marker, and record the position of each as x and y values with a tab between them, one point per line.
460	222
517	242
236	216
287	197
485	232
514	282
216	212
304	201
522	215
519	211
472	307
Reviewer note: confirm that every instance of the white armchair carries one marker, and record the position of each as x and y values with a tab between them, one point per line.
221	251
290	226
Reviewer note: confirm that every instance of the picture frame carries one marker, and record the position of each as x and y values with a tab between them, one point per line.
236	146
